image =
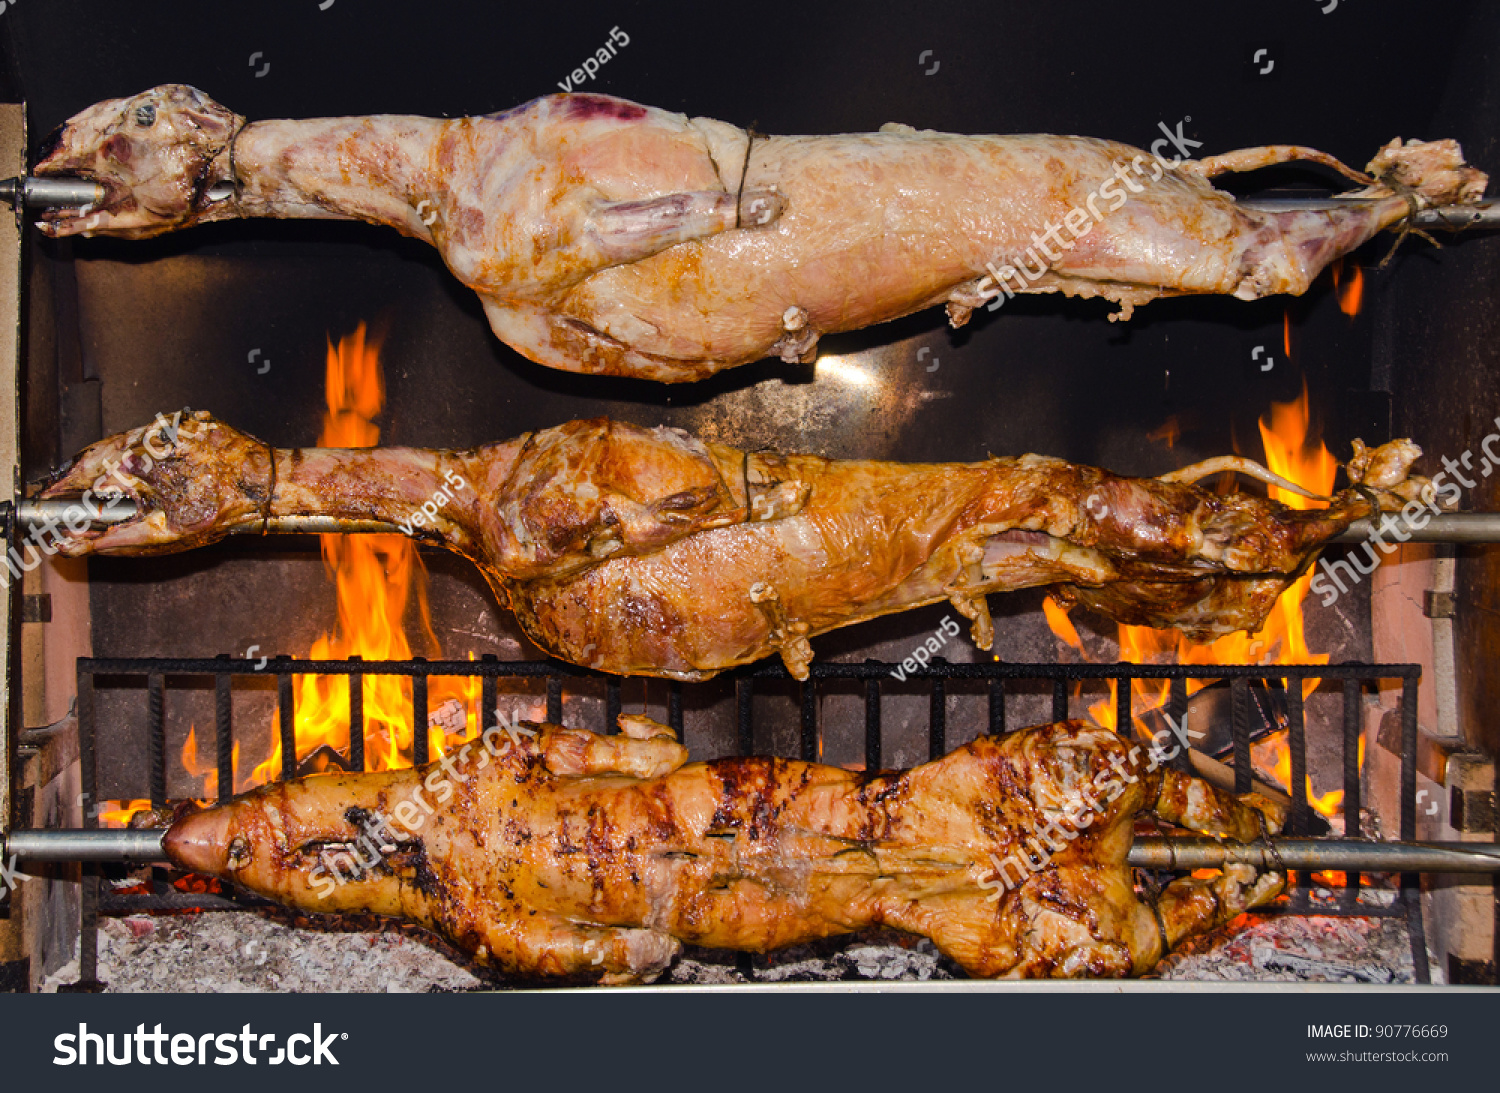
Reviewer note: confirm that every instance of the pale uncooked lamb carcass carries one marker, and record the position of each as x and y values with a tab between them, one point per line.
612	238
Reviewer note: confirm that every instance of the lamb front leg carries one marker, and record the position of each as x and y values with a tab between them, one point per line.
627	231
535	944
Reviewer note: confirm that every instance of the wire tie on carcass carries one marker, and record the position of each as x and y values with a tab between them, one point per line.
739	196
1265	833
1152	894
1414	206
1370	499
265	509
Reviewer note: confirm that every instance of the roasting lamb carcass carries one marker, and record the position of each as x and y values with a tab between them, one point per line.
555	852
612	238
650	552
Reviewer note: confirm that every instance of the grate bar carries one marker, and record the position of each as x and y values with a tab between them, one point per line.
1352	728
286	713
489	703
224	734
356	718
554	698
870	669
937	721
997	707
156	737
809	742
1239	695
420	747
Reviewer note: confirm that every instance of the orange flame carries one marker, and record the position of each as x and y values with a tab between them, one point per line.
120	815
208	771
1169	431
378	579
1292	454
1273	755
1062	626
1350	296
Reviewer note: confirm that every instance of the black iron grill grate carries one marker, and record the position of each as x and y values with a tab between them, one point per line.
158	673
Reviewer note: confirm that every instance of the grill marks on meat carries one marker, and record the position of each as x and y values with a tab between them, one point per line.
647	551
577	855
612	238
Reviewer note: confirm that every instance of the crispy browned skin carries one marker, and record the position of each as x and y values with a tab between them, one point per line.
608	237
635	551
560	852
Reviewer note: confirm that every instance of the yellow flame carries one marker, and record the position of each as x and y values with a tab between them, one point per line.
1291	452
378	579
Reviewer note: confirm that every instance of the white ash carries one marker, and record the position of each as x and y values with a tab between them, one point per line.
230	952
1301	948
235	952
867	955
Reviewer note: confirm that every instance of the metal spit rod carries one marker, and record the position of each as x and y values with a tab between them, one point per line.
44	193
1347	855
1450	527
34	513
54	193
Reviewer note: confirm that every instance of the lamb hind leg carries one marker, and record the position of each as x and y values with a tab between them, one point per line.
1194	905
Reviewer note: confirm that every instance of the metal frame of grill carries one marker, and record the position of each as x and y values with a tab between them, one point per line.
1353	678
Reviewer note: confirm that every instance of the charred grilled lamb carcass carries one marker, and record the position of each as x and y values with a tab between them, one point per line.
546	851
650	552
607	237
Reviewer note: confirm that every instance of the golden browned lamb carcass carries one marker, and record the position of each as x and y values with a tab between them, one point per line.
546	851
649	552
613	238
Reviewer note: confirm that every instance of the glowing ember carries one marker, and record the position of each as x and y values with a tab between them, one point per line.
378	579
